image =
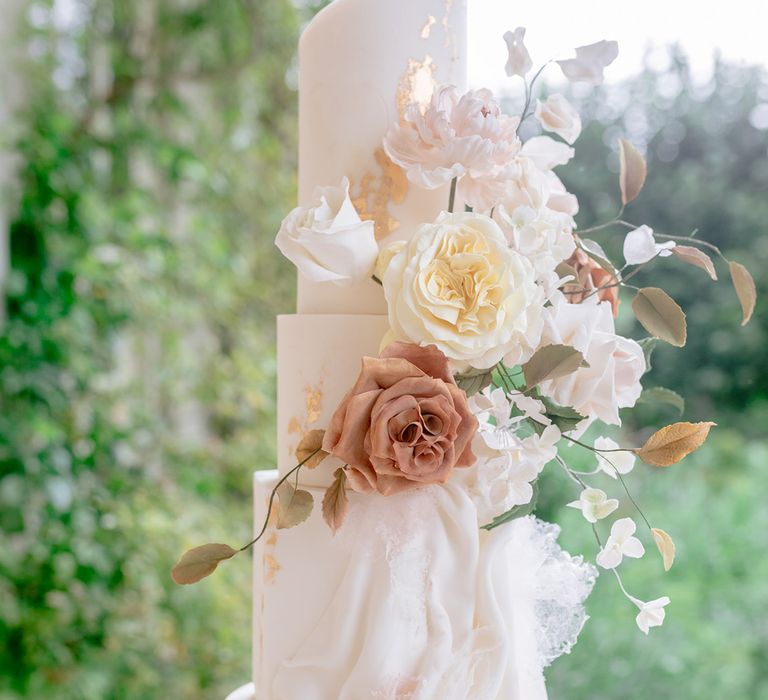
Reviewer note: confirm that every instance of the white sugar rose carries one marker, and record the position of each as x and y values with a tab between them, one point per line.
616	364
559	116
457	285
328	242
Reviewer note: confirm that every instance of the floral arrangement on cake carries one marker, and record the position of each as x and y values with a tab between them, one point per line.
502	345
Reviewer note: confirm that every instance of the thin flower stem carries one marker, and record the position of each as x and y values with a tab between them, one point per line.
599	227
529	95
452	195
272	499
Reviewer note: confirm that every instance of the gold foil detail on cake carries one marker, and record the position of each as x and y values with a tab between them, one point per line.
427	29
374	194
313	401
294	426
271	567
417	84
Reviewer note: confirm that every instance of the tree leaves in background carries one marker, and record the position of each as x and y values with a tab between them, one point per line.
551	362
200	562
632	171
673	443
660	315
745	290
697	258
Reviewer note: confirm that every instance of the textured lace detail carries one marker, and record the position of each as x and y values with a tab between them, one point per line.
563	584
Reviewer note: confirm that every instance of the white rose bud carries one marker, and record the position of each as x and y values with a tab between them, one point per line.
558	115
385	257
328	242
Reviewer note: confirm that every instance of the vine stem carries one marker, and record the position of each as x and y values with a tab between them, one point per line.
272	499
528	95
452	195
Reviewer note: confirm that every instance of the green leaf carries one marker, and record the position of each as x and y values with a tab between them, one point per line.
648	345
474	381
564	417
551	362
200	562
660	394
516	512
295	506
660	315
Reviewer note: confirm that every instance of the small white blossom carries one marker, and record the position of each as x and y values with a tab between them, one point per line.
559	116
622	462
595	504
651	614
492	403
530	408
621	543
590	62
519	62
640	246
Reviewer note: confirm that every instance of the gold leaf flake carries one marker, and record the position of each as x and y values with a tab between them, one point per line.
294	426
374	194
417	84
313	401
271	567
427	29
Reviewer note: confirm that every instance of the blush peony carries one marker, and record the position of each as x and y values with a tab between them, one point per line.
404	424
458	286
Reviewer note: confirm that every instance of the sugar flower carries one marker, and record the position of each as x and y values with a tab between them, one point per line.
595	504
622	462
519	62
651	614
640	246
466	137
621	543
559	116
590	62
591	278
327	241
458	286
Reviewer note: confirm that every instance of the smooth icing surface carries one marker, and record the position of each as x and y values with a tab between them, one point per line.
360	63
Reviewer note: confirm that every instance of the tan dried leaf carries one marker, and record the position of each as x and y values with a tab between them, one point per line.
666	547
336	502
295	506
632	171
310	449
551	362
673	442
200	562
745	290
696	257
660	315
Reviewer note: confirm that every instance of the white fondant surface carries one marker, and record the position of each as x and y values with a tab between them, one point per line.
352	59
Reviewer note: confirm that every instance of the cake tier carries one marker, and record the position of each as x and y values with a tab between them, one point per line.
360	63
318	360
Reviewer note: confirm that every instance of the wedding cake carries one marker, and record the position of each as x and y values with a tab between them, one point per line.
453	332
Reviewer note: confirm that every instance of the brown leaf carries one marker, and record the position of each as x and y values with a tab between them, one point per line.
295	506
310	449
673	442
200	562
336	502
551	362
745	290
660	315
697	257
666	547
632	171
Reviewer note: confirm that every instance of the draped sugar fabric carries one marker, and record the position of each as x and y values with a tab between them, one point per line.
430	606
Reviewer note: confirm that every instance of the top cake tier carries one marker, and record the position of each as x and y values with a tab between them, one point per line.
361	62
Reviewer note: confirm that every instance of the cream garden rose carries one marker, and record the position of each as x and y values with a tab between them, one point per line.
327	241
457	285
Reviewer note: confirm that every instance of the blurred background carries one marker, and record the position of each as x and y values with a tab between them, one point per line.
147	156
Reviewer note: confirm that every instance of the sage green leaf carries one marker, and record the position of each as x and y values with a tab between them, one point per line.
648	345
745	290
310	449
660	394
551	362
200	562
596	251
632	171
295	506
473	382
564	417
660	315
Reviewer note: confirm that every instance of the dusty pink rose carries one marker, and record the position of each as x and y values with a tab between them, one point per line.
404	424
590	276
467	137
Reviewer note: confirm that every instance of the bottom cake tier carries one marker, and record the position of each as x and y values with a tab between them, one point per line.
410	599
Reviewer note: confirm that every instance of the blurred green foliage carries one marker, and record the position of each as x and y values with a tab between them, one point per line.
137	361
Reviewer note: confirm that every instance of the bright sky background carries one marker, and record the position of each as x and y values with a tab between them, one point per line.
554	27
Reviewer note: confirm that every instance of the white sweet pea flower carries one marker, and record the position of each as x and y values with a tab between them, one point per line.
622	462
519	62
590	62
546	153
530	408
327	241
559	116
594	504
492	403
621	543
640	246
651	614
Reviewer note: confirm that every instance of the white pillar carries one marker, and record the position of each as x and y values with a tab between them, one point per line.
10	100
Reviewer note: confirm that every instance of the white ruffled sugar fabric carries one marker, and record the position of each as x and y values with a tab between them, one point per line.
430	607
